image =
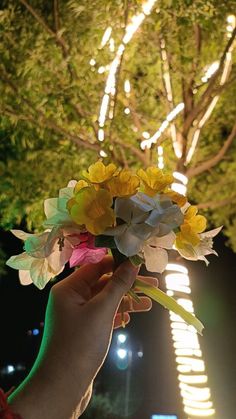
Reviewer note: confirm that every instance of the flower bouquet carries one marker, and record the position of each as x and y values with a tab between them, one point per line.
135	216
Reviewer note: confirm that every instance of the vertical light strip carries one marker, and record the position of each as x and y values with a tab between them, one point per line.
195	393
110	86
168	88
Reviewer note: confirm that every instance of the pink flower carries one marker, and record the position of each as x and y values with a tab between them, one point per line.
86	252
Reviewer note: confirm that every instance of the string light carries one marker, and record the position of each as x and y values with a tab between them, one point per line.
127	87
160	157
106	36
112	45
231	20
110	85
101	69
165	124
103	153
92	62
192	379
101	134
210	71
145	134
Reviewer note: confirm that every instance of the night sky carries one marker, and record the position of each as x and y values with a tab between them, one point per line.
153	380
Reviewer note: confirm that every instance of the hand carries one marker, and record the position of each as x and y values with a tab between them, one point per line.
81	312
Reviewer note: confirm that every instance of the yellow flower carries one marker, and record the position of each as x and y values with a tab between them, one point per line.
93	209
99	173
190	229
125	184
80	185
154	180
176	197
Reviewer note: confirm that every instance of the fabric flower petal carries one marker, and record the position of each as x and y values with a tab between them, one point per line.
36	245
156	258
40	273
21	261
25	278
58	258
81	256
22	235
128	244
165	242
211	233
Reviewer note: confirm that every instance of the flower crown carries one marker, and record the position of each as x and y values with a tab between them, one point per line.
133	215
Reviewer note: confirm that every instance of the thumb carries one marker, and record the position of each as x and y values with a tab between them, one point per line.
121	281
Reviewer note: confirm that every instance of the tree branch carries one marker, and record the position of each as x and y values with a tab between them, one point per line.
207	93
60	41
167	83
217	204
141	156
56	15
58	38
213	161
49	122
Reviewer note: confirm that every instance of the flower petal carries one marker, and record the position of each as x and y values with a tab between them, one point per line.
211	233
66	192
128	244
165	242
58	258
118	230
25	278
156	258
36	245
50	207
21	261
72	183
86	255
22	235
40	273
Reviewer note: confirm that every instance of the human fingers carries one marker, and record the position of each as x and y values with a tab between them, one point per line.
83	279
102	282
130	305
120	282
150	280
121	320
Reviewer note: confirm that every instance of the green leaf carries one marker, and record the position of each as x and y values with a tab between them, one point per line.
133	295
136	260
105	241
169	303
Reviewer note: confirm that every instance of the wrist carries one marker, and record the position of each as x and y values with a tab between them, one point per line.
48	391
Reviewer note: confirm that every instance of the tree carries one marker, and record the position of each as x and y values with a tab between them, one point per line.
52	78
101	406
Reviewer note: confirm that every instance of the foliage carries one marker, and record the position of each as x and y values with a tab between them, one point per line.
100	406
50	98
2	262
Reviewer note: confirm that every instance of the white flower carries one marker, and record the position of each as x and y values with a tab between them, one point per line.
56	208
202	249
45	255
155	254
142	217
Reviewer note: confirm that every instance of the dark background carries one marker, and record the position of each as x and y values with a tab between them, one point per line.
153	378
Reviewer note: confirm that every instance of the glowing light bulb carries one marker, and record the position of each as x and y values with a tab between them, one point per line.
127	86
106	36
